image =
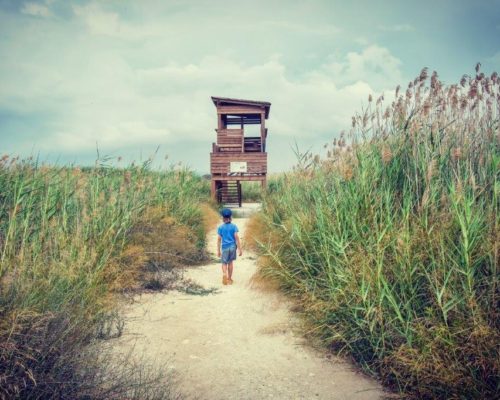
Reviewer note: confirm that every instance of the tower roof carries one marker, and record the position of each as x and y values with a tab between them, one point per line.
226	101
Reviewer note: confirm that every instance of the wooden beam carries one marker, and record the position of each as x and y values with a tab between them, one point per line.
250	178
240	157
247	122
238	183
238	110
262	130
231	132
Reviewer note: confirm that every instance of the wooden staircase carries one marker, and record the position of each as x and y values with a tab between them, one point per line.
229	193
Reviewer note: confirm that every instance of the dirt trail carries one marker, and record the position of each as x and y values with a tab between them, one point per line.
239	343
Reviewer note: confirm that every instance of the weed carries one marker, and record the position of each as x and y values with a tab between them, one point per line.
190	287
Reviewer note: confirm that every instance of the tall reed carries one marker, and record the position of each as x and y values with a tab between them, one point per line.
60	229
391	242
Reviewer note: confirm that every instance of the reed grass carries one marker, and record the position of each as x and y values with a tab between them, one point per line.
65	243
251	191
391	241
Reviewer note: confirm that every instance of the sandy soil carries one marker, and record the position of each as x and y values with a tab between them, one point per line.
239	343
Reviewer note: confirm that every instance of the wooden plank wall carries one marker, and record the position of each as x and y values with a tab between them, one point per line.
220	162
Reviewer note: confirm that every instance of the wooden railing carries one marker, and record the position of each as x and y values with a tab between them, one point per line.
230	140
234	141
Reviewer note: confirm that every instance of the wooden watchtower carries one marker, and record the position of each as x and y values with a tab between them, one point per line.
236	157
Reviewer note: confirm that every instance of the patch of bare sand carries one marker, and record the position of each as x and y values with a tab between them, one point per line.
239	343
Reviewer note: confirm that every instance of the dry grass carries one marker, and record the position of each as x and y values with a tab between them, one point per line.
255	227
275	329
210	217
257	238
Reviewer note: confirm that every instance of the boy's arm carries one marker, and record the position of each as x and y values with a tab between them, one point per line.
218	245
238	244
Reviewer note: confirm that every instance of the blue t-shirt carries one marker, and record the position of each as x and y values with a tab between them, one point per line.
226	232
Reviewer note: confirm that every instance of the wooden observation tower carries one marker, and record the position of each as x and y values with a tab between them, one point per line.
236	157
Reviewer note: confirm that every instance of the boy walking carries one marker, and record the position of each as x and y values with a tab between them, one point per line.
228	242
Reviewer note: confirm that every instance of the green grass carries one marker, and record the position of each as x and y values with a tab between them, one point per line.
391	242
251	191
62	233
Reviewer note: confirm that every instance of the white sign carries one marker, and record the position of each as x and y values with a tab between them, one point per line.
238	166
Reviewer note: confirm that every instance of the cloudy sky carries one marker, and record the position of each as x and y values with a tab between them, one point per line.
129	76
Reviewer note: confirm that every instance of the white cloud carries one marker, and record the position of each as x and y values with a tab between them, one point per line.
397	28
374	65
362	41
98	21
36	9
128	107
87	86
317	29
106	23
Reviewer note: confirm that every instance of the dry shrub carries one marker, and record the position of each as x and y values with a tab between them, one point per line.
125	270
258	237
261	282
255	232
49	356
157	244
421	366
210	217
166	242
38	355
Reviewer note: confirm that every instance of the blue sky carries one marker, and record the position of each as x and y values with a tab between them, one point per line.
129	76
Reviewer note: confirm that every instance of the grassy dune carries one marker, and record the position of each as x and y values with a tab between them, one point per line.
69	240
391	243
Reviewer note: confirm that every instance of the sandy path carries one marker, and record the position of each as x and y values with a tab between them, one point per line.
240	343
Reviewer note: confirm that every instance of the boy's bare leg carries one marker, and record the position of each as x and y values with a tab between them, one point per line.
230	270
224	269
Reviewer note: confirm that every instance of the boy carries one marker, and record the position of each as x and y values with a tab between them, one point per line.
227	243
